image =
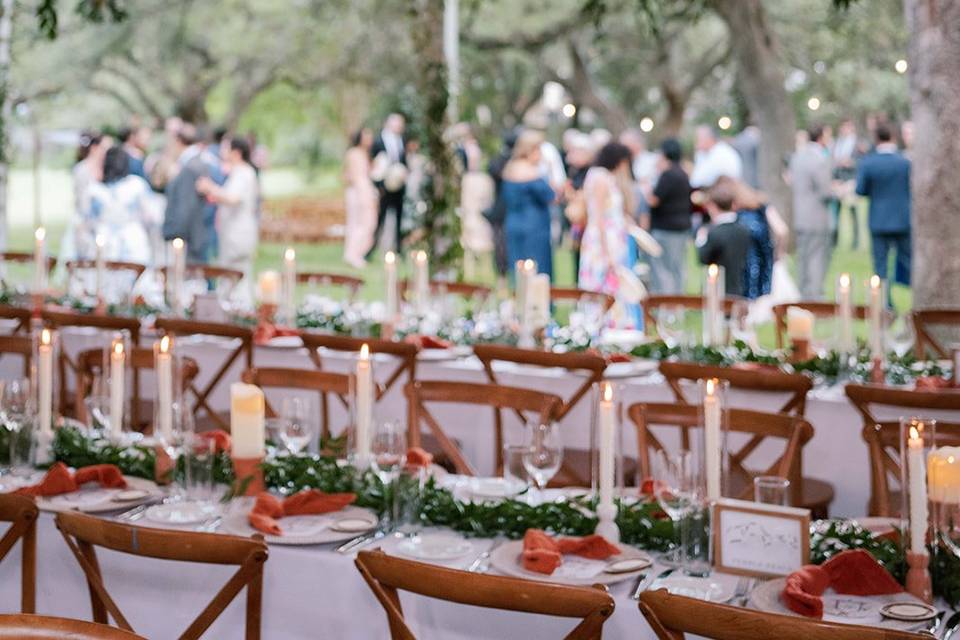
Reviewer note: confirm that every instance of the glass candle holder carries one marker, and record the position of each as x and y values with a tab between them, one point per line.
363	400
713	292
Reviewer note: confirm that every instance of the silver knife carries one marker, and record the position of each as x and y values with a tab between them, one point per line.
352	542
370	540
643	586
953	622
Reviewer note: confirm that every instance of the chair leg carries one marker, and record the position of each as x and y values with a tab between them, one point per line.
28	563
254	605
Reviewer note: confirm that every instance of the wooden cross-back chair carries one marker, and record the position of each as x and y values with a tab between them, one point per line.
576	464
423	392
466	290
20	346
243	348
352	284
386	575
404	354
671	617
18	627
22	513
323	382
574	295
926	319
208	272
653	303
84	533
134	268
883	436
21	315
103	323
21	257
793	431
818	309
90	365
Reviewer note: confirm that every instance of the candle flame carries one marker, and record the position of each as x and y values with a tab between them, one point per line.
40	234
607	392
914	434
711	386
118	348
178	243
529	265
390	257
290	255
101	241
713	271
365	351
845	280
165	344
951	459
45	337
874	282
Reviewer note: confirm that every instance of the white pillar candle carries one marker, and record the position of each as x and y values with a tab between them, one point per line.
269	287
100	265
524	276
608	434
943	473
390	277
919	516
845	342
45	381
713	311
247	409
876	316
290	286
40	261
163	366
421	282
711	438
117	372
364	403
175	279
538	300
799	324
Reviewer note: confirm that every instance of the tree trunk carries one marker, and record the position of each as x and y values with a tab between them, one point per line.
934	27
676	106
6	39
760	64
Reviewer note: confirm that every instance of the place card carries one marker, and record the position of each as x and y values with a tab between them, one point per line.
207	308
762	540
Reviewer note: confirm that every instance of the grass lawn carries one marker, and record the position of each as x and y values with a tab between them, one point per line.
57	199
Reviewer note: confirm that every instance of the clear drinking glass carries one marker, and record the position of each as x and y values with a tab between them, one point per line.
899	335
771	490
674	486
199	454
18	419
671	324
514	470
544	454
389	453
297	428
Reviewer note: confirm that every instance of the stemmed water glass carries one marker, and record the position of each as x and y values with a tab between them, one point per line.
675	488
671	324
544	454
296	427
899	335
389	455
17	408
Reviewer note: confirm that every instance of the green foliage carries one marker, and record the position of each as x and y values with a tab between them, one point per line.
830	537
91	10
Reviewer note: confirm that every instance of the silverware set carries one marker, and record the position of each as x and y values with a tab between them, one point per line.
645	581
482	563
741	594
949	629
361	541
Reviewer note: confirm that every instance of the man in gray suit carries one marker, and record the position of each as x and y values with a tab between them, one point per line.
810	176
185	206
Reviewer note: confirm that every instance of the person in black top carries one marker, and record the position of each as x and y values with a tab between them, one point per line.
669	201
724	241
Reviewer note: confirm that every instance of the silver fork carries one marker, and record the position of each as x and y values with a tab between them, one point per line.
481	564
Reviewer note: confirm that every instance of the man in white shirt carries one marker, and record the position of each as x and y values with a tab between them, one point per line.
714	158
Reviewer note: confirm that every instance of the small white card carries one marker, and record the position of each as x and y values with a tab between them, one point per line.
207	308
759	539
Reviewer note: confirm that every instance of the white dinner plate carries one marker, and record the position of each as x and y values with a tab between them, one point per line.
441	546
285	342
305	530
574	570
494	488
440	355
181	512
92	498
632	369
710	589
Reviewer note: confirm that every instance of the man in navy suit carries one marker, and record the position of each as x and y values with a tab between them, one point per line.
884	177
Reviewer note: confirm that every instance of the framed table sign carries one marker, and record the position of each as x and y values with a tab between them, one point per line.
207	308
762	540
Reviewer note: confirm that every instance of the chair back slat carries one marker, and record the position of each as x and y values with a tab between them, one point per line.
21	257
22	515
924	320
386	575
18	627
469	291
883	436
671	617
574	295
84	533
135	268
423	392
19	345
768	380
653	303
21	315
352	284
322	382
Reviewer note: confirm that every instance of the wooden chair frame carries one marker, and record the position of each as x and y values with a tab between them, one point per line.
109	265
41	627
83	533
573	294
770	381
323	382
90	362
386	575
421	392
470	291
181	327
22	315
404	353
22	513
23	257
58	320
688	302
18	345
818	309
794	430
883	437
352	284
922	319
672	616
208	272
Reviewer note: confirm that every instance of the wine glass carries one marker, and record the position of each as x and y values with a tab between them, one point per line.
899	335
671	324
296	429
389	449
544	454
674	487
17	408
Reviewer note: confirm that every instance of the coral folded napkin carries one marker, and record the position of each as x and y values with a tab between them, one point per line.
267	331
59	479
220	438
268	509
427	342
853	572
543	553
417	457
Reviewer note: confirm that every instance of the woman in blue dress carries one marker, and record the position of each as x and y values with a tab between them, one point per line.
752	211
527	197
